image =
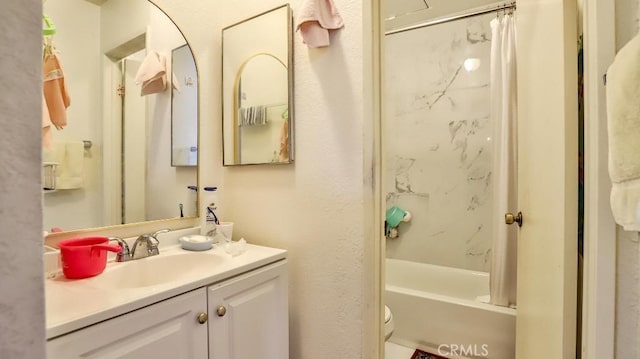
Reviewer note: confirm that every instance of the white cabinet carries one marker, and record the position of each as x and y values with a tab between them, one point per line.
253	324
169	329
248	316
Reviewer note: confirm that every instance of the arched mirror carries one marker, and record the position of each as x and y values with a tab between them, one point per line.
128	153
261	113
257	89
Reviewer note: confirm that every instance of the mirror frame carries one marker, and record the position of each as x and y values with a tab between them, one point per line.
134	229
236	79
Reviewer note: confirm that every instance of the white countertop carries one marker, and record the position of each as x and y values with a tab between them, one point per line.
74	304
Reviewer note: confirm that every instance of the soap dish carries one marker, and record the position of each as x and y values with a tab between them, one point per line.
196	242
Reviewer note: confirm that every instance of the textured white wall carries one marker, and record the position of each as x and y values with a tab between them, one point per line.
315	208
628	261
21	282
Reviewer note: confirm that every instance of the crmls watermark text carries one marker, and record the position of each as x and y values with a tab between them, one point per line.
464	350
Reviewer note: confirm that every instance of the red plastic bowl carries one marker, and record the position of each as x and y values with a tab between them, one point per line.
85	257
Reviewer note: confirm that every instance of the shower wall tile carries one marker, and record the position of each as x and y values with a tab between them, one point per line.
438	143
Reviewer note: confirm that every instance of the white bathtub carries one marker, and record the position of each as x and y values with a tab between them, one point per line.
436	306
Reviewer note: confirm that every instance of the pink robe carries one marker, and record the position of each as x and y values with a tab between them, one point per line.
55	91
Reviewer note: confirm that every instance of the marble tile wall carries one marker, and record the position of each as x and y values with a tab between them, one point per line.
438	142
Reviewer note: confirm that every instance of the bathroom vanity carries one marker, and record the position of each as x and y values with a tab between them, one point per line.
178	304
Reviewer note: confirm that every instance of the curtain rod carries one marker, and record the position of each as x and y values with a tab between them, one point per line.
454	17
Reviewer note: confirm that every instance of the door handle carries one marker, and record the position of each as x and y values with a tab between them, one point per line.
509	218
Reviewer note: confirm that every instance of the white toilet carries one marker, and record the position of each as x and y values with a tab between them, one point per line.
388	323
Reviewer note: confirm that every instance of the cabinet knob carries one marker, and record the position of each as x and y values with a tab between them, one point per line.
202	318
509	218
221	310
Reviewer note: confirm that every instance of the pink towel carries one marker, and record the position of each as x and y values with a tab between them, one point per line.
55	91
315	19
152	74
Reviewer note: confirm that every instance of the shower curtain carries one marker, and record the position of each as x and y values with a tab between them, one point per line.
504	116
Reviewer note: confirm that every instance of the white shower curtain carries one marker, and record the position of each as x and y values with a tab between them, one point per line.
504	118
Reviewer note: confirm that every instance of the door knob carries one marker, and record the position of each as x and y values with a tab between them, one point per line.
221	311
202	318
509	218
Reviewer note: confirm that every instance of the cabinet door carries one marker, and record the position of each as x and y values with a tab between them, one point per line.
169	329
248	315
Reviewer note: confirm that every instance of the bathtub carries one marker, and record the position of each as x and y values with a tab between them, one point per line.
437	307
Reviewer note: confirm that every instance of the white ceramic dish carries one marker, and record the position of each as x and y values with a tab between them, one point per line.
196	242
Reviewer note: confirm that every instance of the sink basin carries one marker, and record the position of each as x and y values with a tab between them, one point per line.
156	270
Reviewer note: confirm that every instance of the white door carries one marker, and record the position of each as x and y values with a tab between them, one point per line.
169	329
548	179
248	316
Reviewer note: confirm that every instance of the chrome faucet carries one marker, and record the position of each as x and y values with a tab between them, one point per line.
125	254
150	241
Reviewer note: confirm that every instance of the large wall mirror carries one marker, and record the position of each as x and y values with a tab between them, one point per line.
129	151
257	88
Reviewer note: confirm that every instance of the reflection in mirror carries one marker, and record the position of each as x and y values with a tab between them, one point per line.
184	109
257	90
119	77
262	112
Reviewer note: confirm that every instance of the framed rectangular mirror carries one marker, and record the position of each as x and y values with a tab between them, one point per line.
257	89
